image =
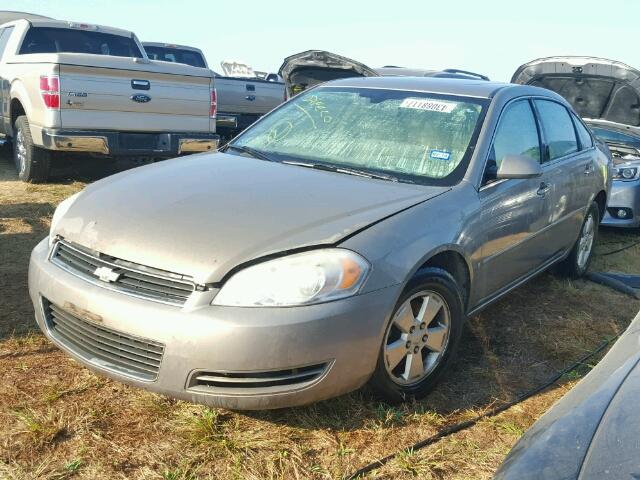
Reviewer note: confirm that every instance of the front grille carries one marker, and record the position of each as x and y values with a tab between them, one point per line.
251	381
101	346
128	277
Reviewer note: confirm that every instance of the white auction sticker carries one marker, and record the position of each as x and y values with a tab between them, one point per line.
429	104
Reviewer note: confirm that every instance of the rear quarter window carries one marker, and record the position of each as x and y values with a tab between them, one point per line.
69	40
586	141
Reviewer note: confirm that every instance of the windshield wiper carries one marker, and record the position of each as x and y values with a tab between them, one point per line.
251	151
348	171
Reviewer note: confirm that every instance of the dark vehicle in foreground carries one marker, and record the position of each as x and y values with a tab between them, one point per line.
606	94
240	100
312	67
342	239
592	432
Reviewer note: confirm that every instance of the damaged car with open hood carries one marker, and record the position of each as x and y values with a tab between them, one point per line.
606	94
312	67
341	239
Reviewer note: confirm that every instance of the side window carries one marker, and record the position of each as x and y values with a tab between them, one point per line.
583	134
5	33
517	134
558	129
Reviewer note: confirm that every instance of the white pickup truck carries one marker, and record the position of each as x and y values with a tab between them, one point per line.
87	88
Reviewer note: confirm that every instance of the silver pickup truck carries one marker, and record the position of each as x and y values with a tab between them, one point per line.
241	100
92	89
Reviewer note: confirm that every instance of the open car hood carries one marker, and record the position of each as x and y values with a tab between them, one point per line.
597	88
306	69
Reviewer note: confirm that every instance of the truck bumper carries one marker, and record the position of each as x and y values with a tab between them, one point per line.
128	144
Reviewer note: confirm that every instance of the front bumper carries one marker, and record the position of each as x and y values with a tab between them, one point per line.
344	336
129	143
624	195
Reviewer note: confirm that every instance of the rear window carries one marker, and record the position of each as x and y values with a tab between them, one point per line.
176	55
67	40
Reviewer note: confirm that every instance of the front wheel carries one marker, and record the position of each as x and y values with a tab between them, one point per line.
421	338
579	259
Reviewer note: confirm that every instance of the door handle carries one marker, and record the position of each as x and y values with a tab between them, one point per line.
251	98
588	170
544	189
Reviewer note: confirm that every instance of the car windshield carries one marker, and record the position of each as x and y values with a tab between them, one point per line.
58	40
176	55
419	137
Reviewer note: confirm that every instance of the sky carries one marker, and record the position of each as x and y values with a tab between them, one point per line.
492	37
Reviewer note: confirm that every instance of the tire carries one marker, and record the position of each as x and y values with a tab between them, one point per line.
579	259
400	383
32	163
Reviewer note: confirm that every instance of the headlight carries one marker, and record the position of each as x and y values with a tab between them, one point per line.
300	279
626	173
63	208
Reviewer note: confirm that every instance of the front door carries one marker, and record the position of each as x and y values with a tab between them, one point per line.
515	212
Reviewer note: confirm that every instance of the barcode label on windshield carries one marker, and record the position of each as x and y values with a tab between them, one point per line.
429	105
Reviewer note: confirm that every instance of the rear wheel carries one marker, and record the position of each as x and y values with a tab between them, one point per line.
32	163
579	259
421	338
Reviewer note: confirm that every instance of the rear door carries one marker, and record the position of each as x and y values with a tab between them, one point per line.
515	212
571	169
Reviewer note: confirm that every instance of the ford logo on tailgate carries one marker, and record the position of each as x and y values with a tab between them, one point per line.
140	98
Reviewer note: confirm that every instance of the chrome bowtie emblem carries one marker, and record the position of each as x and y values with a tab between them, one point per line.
106	274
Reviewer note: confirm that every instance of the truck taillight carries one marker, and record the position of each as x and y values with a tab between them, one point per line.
213	108
50	91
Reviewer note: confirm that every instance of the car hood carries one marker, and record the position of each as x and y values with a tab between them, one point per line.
306	69
592	431
205	214
597	88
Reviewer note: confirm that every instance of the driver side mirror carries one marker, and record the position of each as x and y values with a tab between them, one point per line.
518	166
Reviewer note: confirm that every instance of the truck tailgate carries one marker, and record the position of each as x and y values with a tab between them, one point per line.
238	95
97	97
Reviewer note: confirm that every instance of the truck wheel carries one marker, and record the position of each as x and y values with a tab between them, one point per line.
32	163
422	337
579	259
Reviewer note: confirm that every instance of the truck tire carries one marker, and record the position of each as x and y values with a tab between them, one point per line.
32	163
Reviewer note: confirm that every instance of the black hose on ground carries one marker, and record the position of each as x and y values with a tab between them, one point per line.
608	281
626	247
490	413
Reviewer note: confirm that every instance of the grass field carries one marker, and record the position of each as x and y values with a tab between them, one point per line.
58	420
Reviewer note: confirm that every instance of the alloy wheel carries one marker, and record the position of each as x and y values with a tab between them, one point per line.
585	244
21	152
417	338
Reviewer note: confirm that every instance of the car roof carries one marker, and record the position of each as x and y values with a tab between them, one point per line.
469	88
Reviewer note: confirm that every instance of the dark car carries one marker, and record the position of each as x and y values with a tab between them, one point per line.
312	67
592	432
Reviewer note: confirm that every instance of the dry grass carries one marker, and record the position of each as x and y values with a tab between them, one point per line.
59	421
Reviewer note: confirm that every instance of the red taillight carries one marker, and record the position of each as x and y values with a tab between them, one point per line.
50	91
213	108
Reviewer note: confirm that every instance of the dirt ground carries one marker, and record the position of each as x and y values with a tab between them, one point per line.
58	420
